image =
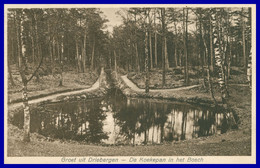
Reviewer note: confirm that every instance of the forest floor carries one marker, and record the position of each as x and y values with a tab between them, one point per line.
234	142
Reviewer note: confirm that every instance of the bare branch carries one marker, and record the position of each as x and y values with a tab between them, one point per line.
34	73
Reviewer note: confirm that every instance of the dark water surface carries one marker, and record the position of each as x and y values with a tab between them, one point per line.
116	119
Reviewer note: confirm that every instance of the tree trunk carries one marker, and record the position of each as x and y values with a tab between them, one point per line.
58	50
185	39
37	41
84	55
230	58
218	56
201	52
166	54
26	111
228	43
211	46
50	49
163	46
151	50
61	61
22	67
33	48
78	57
155	41
137	58
243	40
249	68
92	55
147	76
155	50
53	50
175	46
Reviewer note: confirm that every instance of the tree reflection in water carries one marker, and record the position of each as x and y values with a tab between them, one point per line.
116	119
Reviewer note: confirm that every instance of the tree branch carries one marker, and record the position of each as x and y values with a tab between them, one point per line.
34	73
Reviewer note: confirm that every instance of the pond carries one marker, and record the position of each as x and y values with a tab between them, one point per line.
116	119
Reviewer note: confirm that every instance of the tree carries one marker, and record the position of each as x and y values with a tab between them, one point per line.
218	48
164	45
147	76
22	64
185	40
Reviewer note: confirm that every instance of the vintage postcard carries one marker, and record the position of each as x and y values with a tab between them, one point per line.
130	84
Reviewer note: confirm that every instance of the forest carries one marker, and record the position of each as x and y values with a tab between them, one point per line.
58	40
54	50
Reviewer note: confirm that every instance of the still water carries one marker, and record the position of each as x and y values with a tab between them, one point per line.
116	119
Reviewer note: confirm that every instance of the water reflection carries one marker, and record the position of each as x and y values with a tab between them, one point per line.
116	119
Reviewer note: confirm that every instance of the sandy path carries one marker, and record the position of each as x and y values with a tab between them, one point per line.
137	89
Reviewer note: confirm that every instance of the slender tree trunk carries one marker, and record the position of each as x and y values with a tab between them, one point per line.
167	66
201	52
186	42
147	76
228	43
230	58
249	66
37	41
175	45
92	55
243	40
249	69
163	46
185	39
53	50
84	55
183	132
78	57
155	41
155	50
26	111
180	57
37	75
58	50
61	61
50	49
33	46
151	49
18	34
211	46
137	59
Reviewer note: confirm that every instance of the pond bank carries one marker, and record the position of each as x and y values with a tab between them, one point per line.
98	89
234	142
190	94
48	85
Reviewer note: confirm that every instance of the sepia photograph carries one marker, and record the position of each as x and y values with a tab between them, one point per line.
146	84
